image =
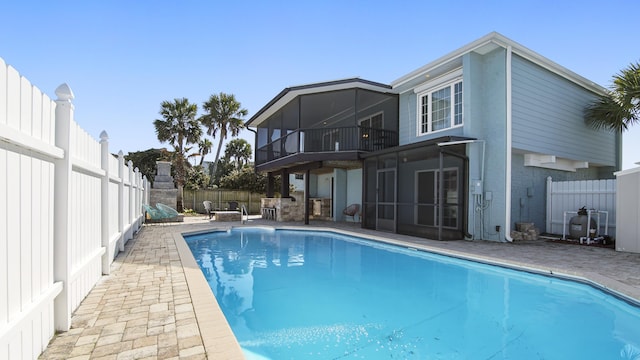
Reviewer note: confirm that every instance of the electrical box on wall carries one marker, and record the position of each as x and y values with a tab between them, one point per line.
476	187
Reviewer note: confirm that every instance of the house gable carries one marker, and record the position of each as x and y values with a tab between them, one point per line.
548	118
547	104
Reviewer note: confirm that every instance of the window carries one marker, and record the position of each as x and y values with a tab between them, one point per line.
371	133
373	121
440	108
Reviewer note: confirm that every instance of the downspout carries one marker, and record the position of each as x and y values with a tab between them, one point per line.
507	220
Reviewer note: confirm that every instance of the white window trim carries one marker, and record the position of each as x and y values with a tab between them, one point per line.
427	91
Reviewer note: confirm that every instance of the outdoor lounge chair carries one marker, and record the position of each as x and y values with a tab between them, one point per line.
207	208
352	210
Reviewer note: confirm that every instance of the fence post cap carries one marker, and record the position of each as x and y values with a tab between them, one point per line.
64	93
104	136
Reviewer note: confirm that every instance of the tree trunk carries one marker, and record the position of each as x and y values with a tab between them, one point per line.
180	200
215	162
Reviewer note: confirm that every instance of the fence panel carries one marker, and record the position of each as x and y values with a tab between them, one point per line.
114	234
48	164
85	214
220	199
27	156
85	235
572	195
628	205
113	209
125	206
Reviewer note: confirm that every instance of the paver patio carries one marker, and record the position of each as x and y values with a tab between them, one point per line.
155	305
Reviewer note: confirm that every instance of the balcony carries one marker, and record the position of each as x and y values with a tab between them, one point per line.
327	140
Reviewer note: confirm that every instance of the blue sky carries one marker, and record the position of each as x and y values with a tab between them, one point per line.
123	58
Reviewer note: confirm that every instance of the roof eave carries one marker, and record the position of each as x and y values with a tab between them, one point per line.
291	93
502	41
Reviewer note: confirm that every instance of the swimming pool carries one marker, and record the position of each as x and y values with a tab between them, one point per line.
306	294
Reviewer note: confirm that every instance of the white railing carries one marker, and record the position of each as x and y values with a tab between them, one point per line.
67	207
572	195
243	213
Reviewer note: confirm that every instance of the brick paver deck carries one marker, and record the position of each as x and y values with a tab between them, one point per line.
156	304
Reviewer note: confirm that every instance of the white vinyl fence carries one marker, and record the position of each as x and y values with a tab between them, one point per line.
66	208
628	208
572	195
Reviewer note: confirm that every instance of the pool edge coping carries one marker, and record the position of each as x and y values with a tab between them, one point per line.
611	286
223	341
217	337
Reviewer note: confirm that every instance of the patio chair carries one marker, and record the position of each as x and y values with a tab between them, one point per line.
268	213
352	210
207	208
233	206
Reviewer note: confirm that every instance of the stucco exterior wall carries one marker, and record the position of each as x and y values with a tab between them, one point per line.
485	119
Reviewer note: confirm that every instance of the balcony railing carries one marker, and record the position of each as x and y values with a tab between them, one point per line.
352	138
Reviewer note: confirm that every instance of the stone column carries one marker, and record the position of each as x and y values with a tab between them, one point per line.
284	179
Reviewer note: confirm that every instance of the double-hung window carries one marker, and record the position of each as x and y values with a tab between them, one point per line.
440	107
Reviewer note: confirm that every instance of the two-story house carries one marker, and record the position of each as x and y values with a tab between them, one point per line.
459	148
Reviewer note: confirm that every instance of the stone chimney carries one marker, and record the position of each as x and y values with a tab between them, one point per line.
164	190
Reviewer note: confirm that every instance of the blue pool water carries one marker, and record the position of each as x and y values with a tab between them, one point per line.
318	295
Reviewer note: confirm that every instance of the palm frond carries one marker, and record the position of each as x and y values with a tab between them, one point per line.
619	108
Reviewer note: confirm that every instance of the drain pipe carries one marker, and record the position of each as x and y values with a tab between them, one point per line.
507	219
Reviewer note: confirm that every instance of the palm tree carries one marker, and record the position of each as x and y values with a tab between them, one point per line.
239	150
620	107
179	127
204	146
224	116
